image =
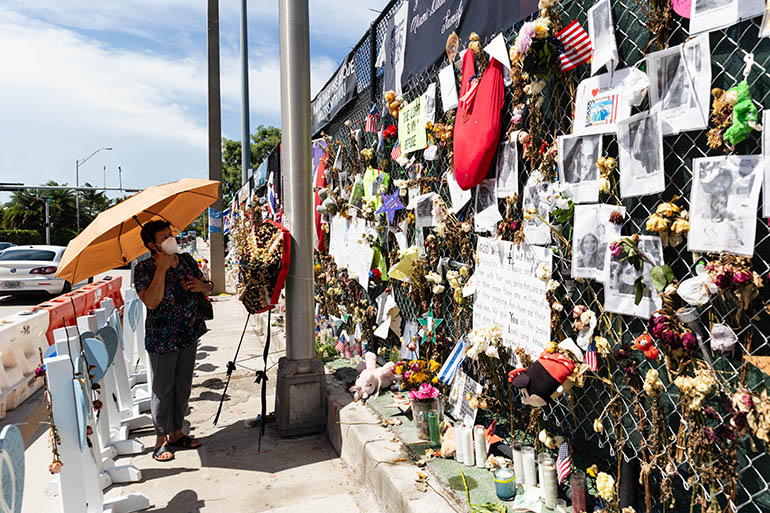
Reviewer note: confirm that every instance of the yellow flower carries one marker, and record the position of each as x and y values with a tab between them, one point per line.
551	347
603	346
657	223
667	209
434	380
399	369
434	366
680	226
593	470
542	26
418	377
605	484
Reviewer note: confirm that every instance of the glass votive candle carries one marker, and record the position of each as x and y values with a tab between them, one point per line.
577	482
561	506
530	468
505	484
518	461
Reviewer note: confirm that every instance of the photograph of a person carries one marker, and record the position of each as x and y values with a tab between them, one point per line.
487	212
621	277
640	141
723	203
592	233
533	198
601	32
507	170
423	210
577	166
485	195
713	14
680	79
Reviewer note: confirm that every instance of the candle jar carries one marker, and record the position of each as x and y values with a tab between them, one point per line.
434	429
505	484
549	483
561	506
518	461
530	469
420	410
480	446
577	482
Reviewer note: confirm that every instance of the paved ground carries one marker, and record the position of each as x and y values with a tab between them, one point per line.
230	473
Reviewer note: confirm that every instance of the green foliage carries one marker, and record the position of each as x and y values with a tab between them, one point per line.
263	140
22	237
660	276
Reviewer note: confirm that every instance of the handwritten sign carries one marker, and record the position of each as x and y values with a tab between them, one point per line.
348	249
411	126
461	408
509	295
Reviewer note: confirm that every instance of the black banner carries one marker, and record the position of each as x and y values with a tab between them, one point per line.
337	92
431	21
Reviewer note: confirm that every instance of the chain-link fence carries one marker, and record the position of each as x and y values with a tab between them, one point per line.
653	435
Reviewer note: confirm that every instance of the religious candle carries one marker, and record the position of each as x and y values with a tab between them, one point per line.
577	482
530	469
540	458
505	485
518	462
550	484
480	445
470	458
459	454
435	431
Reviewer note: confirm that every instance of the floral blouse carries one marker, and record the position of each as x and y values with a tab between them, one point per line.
176	322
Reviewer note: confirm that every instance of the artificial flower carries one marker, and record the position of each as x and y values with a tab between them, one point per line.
652	384
593	470
602	346
426	391
605	485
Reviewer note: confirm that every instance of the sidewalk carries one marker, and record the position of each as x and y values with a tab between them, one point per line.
228	473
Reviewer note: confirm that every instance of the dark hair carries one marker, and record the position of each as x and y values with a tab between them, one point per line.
149	230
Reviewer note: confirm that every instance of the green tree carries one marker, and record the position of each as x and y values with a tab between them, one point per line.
263	140
26	211
91	204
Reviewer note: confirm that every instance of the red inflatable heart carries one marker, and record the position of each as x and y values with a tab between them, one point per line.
477	127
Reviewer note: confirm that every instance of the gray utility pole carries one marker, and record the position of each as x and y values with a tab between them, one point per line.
79	163
217	267
245	138
300	402
47	223
120	177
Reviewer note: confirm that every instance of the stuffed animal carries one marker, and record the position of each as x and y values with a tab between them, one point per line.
545	379
745	117
372	378
448	443
393	102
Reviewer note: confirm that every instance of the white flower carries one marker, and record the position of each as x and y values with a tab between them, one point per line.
605	484
552	285
543	273
438	289
492	352
598	426
557	307
433	277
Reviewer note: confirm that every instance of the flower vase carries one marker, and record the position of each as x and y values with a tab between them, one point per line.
421	408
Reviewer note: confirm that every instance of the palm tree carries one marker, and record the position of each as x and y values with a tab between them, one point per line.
26	209
92	203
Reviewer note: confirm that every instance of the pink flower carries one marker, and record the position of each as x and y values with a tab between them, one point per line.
426	391
524	41
616	249
742	277
688	341
725	278
747	400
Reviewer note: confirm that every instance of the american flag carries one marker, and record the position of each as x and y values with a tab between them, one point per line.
271	198
466	100
396	153
371	120
591	361
340	345
564	461
576	46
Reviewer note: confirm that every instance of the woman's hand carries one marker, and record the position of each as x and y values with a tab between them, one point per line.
195	285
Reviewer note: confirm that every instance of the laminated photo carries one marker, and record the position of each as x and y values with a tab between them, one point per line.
723	203
577	166
592	234
507	170
487	213
423	210
708	15
640	145
601	30
620	278
601	102
536	232
680	85
765	153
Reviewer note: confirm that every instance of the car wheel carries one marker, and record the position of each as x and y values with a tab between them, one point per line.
66	288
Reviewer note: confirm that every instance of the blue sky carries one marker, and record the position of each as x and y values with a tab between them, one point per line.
79	75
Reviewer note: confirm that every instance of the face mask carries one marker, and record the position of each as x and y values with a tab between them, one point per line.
169	246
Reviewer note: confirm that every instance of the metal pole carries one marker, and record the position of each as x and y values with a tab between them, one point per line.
47	224
120	177
217	246
77	194
245	138
300	401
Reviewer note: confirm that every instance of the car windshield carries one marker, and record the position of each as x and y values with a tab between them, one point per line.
27	254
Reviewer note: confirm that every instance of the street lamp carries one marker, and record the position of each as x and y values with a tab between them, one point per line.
79	163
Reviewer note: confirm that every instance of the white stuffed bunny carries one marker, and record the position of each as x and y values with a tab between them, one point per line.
372	378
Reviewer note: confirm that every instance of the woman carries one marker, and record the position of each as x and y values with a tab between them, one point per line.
169	285
589	252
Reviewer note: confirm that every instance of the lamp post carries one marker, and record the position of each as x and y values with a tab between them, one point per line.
79	163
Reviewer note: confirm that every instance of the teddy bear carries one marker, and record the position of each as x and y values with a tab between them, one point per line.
393	102
549	376
372	379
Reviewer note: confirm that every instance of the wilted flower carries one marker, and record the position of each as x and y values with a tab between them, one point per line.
652	384
680	226
604	185
657	223
616	249
667	209
55	466
598	426
605	485
602	346
616	217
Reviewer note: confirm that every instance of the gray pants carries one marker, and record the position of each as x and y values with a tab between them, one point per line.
172	375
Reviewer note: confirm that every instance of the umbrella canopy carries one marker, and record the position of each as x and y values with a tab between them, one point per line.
113	238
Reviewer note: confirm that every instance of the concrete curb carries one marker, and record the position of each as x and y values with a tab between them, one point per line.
369	450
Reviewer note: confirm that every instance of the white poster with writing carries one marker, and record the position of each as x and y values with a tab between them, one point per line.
509	295
348	249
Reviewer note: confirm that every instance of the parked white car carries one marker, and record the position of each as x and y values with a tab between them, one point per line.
31	269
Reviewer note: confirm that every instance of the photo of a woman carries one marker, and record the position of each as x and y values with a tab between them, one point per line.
589	252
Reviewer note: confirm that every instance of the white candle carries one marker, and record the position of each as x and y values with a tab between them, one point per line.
530	470
550	483
480	446
540	458
459	455
518	462
468	446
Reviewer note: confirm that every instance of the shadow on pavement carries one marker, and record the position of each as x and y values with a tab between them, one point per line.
185	501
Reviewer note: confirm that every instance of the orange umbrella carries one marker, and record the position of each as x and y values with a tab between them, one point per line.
113	240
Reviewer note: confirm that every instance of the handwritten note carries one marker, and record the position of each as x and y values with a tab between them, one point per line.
509	295
347	248
411	126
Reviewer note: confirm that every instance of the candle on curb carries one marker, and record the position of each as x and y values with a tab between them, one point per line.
518	462
480	445
505	484
540	458
435	431
577	482
550	484
530	469
470	458
459	453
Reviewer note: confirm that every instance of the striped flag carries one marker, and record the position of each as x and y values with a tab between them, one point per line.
564	461
575	48
340	345
371	120
466	100
590	359
456	357
396	153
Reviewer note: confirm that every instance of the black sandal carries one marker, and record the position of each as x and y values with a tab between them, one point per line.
159	451
185	442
